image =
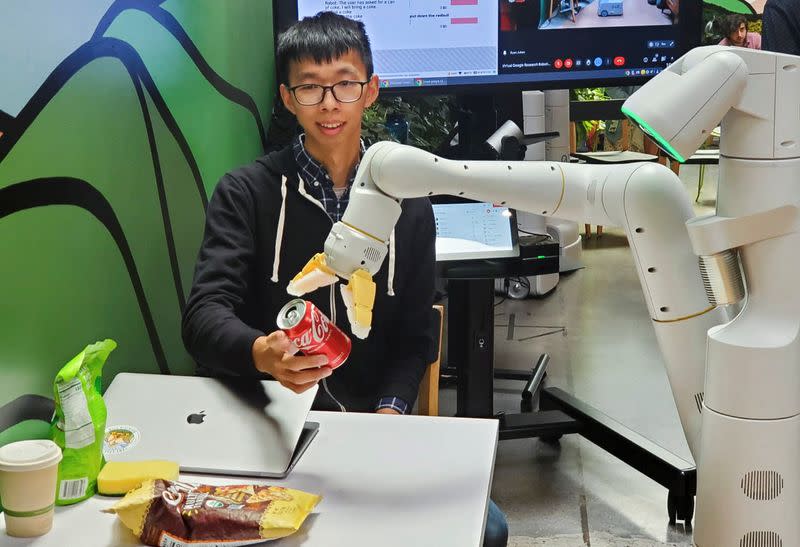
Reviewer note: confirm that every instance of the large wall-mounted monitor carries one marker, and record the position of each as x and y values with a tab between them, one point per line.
465	45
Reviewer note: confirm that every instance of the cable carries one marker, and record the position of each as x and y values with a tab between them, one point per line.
333	320
335	400
562	330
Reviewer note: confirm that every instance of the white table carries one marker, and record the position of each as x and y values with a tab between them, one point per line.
385	480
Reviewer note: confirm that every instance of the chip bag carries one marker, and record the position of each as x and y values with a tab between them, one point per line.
162	512
79	423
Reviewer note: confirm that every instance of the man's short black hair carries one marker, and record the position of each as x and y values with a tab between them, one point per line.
731	23
323	37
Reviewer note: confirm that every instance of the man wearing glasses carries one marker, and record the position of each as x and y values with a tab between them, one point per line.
266	219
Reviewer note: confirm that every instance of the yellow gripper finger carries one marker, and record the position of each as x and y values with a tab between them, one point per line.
314	274
359	295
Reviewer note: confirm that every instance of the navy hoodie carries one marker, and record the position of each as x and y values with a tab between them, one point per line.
248	256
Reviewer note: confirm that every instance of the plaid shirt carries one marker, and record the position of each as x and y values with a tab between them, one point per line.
319	183
320	187
394	403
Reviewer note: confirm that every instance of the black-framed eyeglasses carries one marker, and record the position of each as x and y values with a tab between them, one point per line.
346	91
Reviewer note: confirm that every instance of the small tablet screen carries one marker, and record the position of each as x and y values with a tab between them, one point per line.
468	231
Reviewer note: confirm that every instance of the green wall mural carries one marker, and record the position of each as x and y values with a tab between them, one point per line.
111	142
746	7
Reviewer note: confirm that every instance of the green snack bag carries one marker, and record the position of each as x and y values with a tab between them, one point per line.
79	423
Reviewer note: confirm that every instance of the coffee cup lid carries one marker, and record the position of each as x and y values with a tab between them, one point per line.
29	455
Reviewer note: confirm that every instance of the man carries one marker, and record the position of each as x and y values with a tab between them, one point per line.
734	28
781	24
266	219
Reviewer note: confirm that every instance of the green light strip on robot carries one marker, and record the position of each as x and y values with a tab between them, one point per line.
653	133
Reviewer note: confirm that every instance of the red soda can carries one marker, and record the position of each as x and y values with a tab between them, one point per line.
313	333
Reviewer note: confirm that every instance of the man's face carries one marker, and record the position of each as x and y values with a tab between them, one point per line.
738	36
331	123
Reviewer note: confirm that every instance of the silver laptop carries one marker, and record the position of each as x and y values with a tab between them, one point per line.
232	427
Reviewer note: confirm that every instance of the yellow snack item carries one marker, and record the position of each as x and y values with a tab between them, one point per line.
118	478
163	512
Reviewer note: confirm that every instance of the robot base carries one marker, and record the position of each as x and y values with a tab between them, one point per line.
748	482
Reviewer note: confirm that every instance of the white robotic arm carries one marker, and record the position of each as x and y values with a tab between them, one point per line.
647	200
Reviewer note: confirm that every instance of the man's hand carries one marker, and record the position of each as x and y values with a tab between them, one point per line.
274	354
387	411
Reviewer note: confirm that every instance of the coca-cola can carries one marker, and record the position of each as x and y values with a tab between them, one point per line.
313	333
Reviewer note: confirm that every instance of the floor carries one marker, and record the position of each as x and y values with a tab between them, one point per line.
575	494
636	13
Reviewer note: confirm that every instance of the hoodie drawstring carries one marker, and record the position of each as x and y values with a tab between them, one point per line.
390	283
301	187
276	261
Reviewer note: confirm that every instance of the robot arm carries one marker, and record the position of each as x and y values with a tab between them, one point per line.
647	200
678	108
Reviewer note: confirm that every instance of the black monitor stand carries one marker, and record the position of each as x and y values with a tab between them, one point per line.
470	341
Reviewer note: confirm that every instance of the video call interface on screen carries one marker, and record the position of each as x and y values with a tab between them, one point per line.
439	43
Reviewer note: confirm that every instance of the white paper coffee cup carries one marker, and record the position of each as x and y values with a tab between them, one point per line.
28	476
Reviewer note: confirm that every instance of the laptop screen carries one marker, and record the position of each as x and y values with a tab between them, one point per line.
474	230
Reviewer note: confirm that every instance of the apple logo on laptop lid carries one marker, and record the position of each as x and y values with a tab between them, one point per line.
196	418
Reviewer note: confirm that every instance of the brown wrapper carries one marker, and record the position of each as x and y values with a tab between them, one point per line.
171	513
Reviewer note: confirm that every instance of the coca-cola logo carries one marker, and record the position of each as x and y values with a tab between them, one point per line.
316	334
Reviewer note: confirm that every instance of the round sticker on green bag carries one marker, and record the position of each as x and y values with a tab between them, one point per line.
120	438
